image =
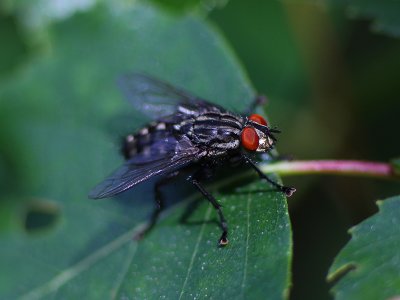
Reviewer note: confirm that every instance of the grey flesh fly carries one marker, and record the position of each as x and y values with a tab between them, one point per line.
188	134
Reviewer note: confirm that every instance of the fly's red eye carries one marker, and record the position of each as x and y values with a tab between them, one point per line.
258	119
250	138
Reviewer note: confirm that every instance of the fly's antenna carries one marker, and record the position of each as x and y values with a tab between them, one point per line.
265	129
274	130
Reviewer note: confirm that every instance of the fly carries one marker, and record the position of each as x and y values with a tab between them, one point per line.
189	133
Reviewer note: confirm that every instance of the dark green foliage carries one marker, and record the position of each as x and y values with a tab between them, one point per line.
370	262
62	108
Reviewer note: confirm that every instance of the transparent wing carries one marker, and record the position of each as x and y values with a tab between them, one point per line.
156	98
156	151
159	144
134	172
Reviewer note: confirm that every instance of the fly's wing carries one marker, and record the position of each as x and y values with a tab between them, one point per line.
158	150
162	157
156	98
132	173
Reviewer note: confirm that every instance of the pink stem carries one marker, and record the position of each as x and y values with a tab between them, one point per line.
345	167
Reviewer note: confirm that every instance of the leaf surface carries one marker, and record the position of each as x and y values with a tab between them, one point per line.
66	116
370	262
384	14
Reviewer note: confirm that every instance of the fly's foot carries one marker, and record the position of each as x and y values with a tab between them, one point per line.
138	236
141	233
260	100
223	241
289	191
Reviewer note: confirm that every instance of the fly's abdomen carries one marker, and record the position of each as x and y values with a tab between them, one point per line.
142	141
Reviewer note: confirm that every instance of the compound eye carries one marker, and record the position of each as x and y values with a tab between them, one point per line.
250	138
258	119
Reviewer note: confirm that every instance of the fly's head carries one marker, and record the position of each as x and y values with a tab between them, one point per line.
256	135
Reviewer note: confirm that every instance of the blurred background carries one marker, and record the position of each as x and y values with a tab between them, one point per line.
331	75
332	84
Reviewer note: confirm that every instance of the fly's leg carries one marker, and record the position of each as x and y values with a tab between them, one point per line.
159	206
223	240
286	189
259	100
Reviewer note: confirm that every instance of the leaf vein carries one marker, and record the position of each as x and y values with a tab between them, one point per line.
67	275
247	246
196	248
125	269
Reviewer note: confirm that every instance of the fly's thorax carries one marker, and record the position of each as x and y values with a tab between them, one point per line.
217	131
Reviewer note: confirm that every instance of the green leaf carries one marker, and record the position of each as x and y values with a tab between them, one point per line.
65	117
371	260
253	265
186	5
385	14
41	12
12	52
395	163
